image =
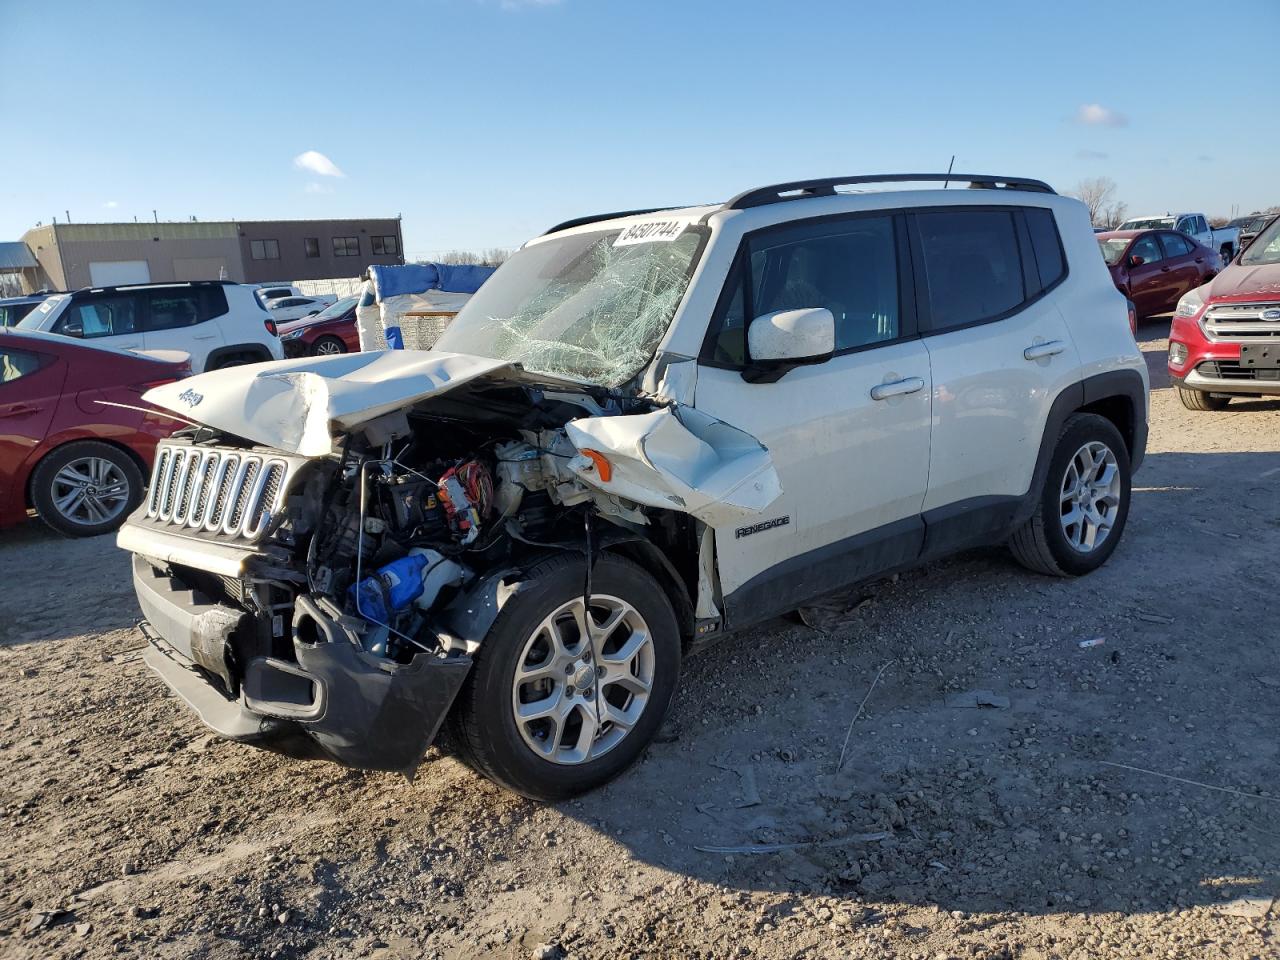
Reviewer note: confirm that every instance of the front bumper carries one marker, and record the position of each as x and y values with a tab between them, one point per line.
360	710
295	347
1213	382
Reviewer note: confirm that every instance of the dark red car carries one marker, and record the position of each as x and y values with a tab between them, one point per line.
79	462
332	330
1154	268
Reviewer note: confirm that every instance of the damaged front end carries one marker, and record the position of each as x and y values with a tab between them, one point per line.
326	553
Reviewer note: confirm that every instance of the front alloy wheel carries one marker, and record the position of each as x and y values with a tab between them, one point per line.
583	679
564	695
86	488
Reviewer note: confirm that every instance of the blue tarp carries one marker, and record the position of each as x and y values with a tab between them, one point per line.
421	277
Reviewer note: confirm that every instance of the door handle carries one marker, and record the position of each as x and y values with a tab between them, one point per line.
1164	269
897	388
1038	351
17	410
212	336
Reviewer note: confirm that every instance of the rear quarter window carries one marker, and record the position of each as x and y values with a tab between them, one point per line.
1046	244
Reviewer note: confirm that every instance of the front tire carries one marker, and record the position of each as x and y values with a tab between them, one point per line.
1083	505
1200	400
550	709
86	488
328	347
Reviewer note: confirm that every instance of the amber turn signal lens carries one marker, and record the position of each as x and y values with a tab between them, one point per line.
603	466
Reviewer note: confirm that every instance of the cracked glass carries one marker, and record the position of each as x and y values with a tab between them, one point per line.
581	306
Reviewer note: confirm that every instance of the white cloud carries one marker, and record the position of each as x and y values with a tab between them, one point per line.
317	163
1096	115
314	187
111	204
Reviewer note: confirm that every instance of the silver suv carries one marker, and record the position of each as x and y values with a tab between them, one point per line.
646	430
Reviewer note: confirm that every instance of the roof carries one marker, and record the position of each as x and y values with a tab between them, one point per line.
1122	234
16	255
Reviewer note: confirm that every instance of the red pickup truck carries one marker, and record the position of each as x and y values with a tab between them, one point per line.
1225	338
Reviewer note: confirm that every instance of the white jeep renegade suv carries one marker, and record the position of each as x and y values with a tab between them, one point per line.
645	430
218	322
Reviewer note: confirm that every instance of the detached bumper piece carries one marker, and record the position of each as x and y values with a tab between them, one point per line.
362	710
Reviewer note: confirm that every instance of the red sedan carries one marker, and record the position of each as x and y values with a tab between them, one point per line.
1154	268
332	330
79	462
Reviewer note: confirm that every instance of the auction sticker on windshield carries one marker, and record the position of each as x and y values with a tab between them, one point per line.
651	231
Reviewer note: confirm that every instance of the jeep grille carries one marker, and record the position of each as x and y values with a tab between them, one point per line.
232	493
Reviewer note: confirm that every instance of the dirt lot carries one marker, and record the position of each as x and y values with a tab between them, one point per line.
127	830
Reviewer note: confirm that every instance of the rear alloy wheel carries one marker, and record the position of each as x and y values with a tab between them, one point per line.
565	695
1084	502
86	488
1200	400
328	347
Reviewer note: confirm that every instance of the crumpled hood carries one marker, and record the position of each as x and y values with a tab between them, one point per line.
297	406
1241	281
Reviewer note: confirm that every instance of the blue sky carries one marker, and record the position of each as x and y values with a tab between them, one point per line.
483	122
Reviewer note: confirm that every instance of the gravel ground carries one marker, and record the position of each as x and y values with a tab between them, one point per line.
1003	832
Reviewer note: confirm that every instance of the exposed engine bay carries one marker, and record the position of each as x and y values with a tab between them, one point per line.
418	507
342	592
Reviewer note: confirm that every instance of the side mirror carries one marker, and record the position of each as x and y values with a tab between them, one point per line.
784	339
1136	261
73	328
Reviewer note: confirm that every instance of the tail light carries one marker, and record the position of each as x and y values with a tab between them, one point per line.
1133	318
271	327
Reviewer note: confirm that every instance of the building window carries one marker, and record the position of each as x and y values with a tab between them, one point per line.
346	246
264	249
311	246
385	246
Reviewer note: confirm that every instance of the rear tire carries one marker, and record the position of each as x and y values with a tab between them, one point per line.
1083	505
1200	400
549	756
86	488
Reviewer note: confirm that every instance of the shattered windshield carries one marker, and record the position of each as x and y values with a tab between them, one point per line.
589	306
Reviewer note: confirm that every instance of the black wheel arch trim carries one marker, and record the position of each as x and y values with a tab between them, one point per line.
256	350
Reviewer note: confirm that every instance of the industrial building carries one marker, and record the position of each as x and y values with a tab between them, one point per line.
67	256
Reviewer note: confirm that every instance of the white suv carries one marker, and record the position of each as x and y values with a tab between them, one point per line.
217	322
643	431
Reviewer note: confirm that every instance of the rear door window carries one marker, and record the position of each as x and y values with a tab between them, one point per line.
1175	245
16	364
972	265
171	308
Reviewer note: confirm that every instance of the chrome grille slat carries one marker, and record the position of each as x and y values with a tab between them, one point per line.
1240	321
219	492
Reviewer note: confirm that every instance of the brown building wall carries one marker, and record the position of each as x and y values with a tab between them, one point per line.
292	261
205	250
44	246
172	251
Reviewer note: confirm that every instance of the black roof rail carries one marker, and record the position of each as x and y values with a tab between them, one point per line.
596	218
826	187
159	283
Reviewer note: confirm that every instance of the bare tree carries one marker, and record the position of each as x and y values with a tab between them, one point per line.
1095	193
1114	215
492	257
1217	222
